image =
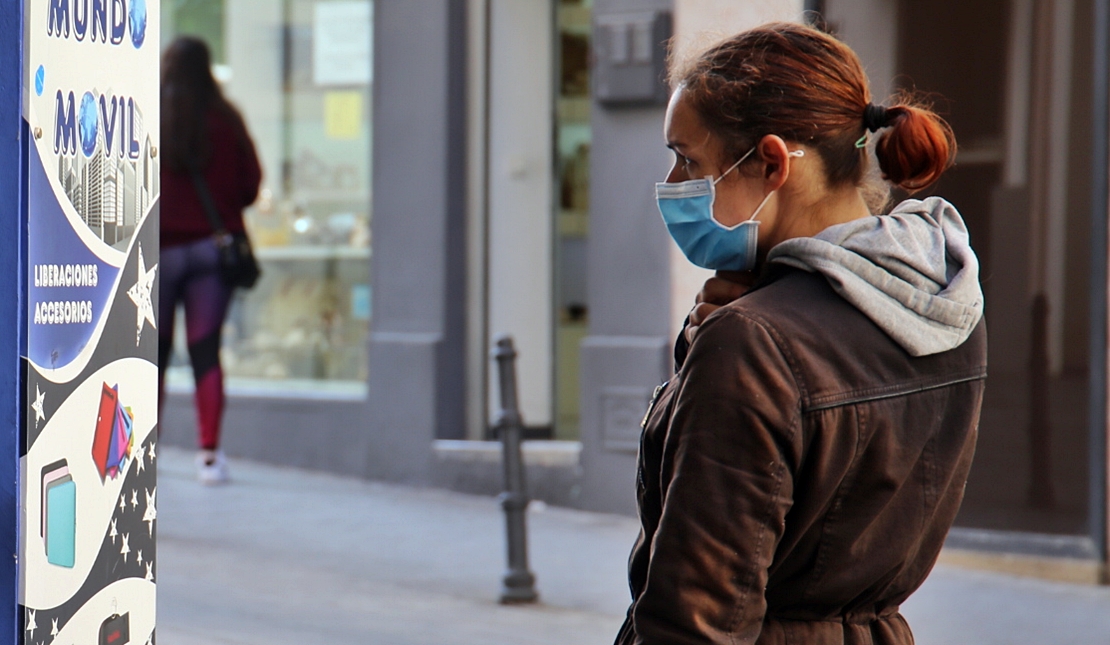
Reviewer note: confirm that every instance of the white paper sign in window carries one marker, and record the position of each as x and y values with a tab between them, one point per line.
341	53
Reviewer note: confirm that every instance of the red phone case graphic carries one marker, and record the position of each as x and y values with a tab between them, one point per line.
113	440
105	423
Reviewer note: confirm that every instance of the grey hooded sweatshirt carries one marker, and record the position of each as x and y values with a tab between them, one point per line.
911	272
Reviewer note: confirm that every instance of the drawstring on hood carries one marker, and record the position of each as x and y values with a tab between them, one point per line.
911	272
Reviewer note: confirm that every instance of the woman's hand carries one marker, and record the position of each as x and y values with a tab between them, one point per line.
718	291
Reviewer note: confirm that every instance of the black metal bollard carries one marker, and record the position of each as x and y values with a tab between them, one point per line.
518	585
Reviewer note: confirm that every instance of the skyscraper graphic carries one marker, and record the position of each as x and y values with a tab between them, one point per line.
111	194
93	180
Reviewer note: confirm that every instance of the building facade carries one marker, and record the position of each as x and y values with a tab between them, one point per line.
441	172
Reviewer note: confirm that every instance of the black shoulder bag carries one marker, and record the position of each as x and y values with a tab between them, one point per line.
238	267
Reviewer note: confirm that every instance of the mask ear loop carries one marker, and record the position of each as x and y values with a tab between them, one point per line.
792	153
733	166
761	205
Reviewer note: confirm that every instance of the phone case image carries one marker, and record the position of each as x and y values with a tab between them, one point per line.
113	446
61	522
128	425
121	444
115	630
118	448
50	473
105	423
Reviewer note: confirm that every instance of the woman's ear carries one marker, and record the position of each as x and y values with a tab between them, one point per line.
776	156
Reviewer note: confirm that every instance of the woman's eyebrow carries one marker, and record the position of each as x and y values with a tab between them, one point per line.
679	146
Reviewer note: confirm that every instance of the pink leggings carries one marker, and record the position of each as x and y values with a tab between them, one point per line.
188	274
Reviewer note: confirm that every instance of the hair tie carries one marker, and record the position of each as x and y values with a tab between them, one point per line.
875	117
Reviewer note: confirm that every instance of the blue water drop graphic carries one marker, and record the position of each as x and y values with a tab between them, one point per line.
40	80
89	125
138	22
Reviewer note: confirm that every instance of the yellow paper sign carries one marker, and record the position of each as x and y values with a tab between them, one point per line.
343	115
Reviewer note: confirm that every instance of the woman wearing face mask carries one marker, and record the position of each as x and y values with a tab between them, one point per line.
799	473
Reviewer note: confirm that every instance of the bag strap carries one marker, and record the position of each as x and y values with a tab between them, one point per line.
207	204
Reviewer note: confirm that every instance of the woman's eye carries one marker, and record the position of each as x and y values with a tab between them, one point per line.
687	162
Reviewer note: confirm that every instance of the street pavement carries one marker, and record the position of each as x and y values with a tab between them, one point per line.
283	556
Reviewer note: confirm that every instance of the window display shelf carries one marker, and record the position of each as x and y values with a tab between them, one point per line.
179	380
331	195
301	331
306	252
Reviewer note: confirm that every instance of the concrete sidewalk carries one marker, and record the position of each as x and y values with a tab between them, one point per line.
283	556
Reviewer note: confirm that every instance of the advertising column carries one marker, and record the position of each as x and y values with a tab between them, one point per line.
87	559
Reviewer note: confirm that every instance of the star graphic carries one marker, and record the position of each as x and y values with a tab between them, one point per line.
31	624
134	498
151	512
140	461
139	557
37	406
112	533
151	453
124	550
54	627
149	574
122	503
140	295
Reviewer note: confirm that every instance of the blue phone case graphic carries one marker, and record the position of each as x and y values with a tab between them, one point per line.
61	521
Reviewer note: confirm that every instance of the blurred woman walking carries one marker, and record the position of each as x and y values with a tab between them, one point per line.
206	148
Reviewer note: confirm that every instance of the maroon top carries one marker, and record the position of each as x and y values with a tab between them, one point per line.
233	177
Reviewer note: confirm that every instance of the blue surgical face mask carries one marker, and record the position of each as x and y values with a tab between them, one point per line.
687	209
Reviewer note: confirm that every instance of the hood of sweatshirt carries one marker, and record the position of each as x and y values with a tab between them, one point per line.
912	272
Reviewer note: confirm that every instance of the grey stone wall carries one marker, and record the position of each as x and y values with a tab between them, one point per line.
418	264
627	352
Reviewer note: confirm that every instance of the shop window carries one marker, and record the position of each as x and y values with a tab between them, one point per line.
572	147
300	72
1031	469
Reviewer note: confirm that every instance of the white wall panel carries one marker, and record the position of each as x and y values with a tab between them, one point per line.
520	196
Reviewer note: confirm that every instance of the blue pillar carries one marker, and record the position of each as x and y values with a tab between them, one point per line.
79	190
12	232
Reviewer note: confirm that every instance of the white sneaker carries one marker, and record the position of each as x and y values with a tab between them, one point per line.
212	467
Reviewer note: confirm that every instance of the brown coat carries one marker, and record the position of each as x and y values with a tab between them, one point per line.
798	476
